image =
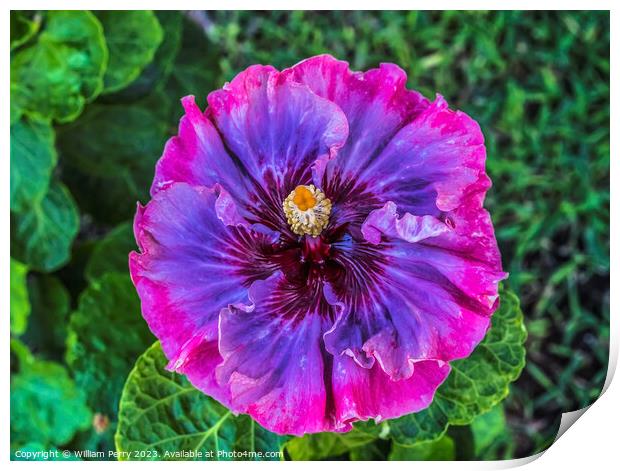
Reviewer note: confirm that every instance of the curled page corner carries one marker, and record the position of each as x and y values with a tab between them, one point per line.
568	419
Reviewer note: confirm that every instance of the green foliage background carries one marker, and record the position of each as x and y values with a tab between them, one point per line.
94	96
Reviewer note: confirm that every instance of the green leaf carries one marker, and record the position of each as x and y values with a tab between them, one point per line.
42	236
490	434
23	27
476	383
111	139
111	254
319	446
162	414
252	438
316	446
106	333
46	406
50	303
161	67
121	194
112	150
132	38
196	69
372	451
439	450
18	96
20	354
20	305
196	66
33	158
64	69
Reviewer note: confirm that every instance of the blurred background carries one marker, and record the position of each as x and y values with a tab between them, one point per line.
537	82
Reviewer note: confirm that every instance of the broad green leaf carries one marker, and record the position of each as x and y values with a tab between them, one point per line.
197	54
23	27
372	451
162	413
33	157
121	194
111	139
42	236
110	153
490	434
193	72
252	438
46	405
319	446
164	106
106	334
64	68
50	303
476	383
132	38
111	254
20	354
20	305
316	446
441	449
161	66
18	96
196	68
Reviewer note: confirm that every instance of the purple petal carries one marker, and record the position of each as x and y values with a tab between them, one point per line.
401	148
431	164
259	133
274	359
417	300
197	156
276	128
376	104
192	264
362	394
198	360
410	228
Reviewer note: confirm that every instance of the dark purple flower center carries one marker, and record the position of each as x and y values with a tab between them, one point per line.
339	255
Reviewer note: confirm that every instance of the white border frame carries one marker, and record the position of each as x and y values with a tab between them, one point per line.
592	443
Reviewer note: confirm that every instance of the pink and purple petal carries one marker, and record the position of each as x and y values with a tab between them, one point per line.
273	357
260	132
191	265
416	300
277	130
198	360
276	127
401	148
197	156
431	164
369	393
376	104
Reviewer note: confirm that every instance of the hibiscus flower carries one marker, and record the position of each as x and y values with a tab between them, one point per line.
316	250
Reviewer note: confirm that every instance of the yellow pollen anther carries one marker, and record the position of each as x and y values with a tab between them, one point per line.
303	198
307	210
